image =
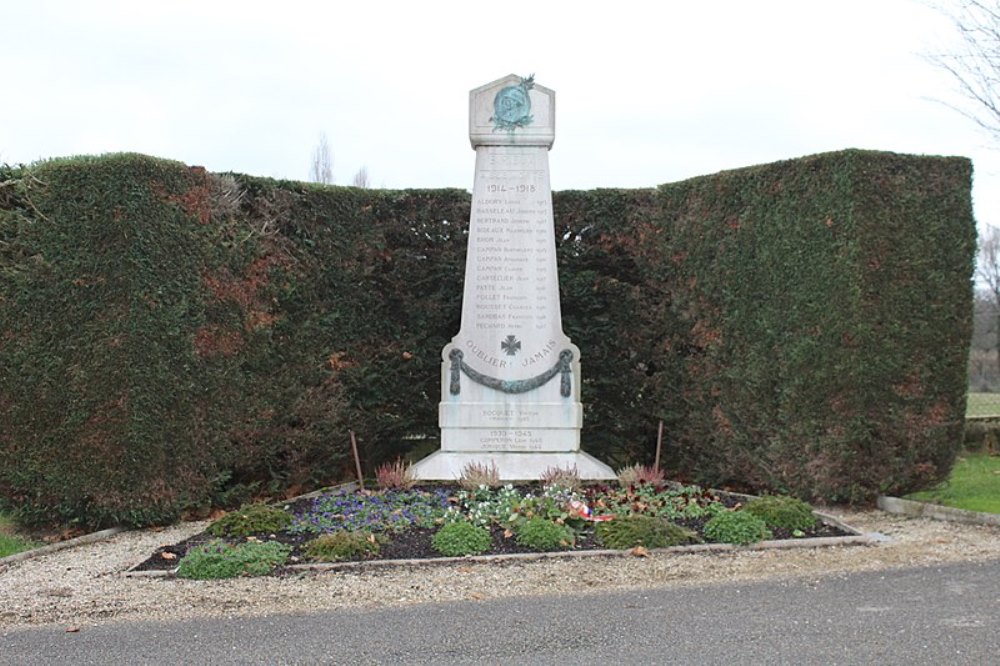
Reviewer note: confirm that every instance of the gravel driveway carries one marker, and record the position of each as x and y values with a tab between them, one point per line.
88	585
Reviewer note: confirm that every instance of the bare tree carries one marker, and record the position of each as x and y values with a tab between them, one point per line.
983	374
988	272
361	178
975	63
322	162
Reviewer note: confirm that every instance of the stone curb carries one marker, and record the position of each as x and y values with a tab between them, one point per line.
936	511
857	539
61	545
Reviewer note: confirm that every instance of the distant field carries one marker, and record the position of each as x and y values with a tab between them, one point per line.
983	404
974	485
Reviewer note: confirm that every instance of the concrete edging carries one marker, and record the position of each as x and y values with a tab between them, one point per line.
906	507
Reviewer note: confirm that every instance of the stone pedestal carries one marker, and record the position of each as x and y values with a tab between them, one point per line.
510	379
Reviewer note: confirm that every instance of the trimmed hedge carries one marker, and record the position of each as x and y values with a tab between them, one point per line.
824	310
168	335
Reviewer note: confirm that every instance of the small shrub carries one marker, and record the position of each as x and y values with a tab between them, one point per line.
782	512
542	534
564	477
251	519
738	527
638	530
217	559
476	474
395	476
461	538
342	545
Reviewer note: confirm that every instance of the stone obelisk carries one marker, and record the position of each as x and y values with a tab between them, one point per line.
510	379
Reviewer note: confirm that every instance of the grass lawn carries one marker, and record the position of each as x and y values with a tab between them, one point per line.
980	405
10	542
974	485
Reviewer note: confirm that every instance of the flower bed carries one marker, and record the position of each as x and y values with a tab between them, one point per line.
447	520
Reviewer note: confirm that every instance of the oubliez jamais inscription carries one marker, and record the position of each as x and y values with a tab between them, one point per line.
508	319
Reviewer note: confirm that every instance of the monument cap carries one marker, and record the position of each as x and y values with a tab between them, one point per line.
512	111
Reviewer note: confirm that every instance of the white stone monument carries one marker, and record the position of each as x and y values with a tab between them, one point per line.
510	379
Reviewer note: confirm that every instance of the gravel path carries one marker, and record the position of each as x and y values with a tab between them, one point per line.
87	584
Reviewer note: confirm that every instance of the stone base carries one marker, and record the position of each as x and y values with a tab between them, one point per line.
448	465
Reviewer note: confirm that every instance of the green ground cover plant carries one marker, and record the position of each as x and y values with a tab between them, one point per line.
737	527
974	485
461	538
218	559
782	512
647	531
542	534
671	502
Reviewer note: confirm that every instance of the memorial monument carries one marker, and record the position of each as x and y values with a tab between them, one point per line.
510	379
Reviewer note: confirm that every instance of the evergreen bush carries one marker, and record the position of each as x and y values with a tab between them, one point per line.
343	545
633	530
737	527
782	512
461	538
251	519
544	535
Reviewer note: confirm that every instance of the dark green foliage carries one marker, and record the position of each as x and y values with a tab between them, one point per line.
343	545
461	538
820	310
782	512
99	394
639	530
218	559
169	336
544	535
251	519
738	527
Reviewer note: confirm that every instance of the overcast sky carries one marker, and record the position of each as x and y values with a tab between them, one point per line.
647	92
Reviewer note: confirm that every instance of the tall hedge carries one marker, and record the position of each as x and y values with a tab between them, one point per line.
824	313
169	335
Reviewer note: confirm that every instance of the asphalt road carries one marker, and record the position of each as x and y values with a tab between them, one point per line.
930	615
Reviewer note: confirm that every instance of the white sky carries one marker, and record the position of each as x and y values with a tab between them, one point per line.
647	92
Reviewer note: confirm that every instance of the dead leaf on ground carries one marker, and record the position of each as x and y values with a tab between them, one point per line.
639	551
169	556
